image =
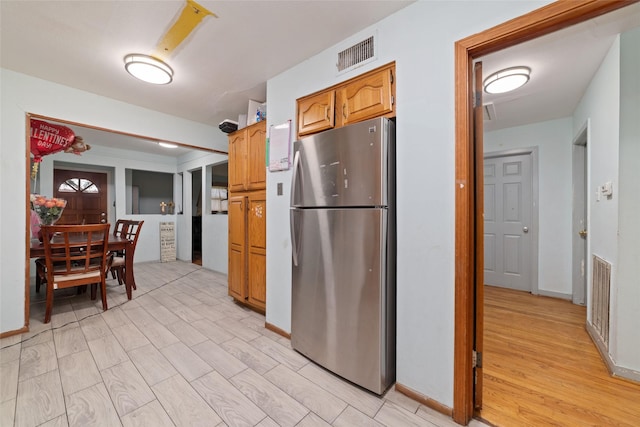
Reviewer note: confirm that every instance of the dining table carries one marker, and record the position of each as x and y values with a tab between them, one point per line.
114	244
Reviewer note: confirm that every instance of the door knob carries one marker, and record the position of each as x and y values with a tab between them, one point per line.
582	233
525	229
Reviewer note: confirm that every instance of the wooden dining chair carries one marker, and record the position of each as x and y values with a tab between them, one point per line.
129	229
76	256
41	273
119	230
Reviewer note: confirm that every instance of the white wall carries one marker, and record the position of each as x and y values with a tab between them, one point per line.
601	104
554	142
420	38
626	345
215	228
22	94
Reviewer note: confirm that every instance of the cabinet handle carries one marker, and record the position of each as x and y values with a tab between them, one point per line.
343	113
327	112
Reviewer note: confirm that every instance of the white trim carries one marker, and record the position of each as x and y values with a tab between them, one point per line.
553	294
582	140
614	370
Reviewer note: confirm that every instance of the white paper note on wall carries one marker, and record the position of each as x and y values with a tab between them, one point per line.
279	147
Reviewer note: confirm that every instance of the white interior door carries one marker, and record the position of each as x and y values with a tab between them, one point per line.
507	221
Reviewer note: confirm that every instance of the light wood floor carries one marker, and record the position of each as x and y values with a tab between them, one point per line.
180	353
542	369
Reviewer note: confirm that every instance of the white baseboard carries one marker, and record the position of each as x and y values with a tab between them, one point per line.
553	294
614	370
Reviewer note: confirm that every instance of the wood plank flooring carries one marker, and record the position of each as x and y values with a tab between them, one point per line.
542	369
180	353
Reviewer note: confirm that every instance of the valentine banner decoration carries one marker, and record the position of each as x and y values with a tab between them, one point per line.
47	138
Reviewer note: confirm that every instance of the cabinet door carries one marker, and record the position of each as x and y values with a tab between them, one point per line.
237	160
257	247
237	247
366	97
316	113
256	147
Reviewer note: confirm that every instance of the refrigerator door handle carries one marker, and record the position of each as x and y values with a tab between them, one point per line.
294	178
294	243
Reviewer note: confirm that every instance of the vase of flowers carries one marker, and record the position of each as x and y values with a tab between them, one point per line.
48	210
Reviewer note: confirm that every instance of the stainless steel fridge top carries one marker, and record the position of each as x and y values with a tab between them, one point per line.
343	167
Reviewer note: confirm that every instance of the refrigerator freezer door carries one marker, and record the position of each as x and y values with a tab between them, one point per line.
347	166
339	297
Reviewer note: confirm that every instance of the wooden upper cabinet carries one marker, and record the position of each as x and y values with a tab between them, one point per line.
365	98
360	98
256	153
238	160
247	152
316	112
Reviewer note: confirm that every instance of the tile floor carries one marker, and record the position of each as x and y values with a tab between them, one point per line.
180	353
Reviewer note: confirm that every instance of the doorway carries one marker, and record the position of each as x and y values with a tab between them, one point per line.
468	242
579	217
196	218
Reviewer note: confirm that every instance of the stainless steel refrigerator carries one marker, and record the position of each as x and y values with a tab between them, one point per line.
343	246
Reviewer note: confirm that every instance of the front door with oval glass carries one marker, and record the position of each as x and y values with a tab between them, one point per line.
86	196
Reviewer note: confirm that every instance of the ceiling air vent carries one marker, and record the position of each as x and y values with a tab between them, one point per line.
356	55
489	112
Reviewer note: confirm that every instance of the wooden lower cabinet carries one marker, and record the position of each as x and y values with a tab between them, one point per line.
248	248
237	246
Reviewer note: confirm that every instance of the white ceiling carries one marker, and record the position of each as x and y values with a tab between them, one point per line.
562	65
227	60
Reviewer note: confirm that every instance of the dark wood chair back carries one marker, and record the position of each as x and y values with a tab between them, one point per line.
119	229
130	230
75	255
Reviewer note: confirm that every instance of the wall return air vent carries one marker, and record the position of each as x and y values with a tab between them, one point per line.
356	55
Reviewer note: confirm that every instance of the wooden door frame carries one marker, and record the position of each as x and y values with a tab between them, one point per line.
545	20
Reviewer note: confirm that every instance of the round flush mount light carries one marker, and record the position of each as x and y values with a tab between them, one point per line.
506	80
148	69
167	145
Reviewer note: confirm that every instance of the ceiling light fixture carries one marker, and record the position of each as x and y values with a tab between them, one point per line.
148	69
506	80
167	145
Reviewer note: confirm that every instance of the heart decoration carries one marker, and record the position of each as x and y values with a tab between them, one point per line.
48	138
